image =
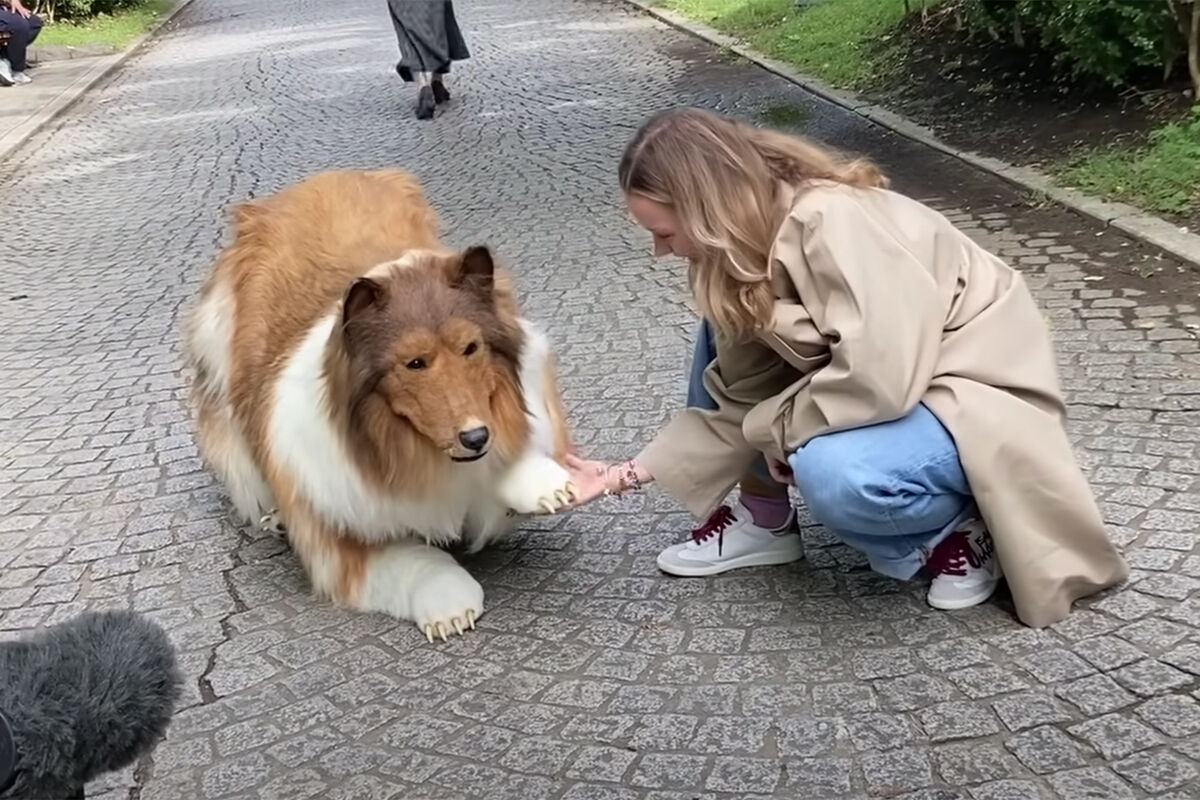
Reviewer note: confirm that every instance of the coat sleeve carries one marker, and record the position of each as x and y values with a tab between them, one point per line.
701	454
878	305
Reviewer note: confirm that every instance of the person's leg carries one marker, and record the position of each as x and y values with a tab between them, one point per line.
425	97
757	483
18	29
35	27
896	491
456	50
759	529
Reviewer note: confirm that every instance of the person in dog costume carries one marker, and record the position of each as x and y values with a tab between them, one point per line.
858	346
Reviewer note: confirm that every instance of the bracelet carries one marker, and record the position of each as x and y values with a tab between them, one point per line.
627	479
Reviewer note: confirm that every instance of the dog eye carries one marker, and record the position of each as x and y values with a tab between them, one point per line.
416	363
471	348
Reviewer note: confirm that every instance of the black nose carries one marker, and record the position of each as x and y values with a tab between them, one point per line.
475	439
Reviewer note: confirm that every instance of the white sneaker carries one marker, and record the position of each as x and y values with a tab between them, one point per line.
20	78
6	75
965	568
729	539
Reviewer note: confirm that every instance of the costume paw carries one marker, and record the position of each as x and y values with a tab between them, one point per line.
447	603
537	484
271	521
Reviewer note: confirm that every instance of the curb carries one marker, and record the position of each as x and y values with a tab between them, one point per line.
50	53
1125	218
68	96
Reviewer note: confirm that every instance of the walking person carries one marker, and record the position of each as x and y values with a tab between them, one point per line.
429	41
22	27
858	346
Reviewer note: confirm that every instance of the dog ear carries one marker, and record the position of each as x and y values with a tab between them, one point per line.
363	295
476	271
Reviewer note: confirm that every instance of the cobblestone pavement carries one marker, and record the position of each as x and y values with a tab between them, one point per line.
592	676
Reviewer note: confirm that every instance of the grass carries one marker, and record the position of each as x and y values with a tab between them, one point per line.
1163	176
843	42
117	30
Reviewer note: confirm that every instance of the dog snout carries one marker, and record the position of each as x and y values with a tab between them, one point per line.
475	439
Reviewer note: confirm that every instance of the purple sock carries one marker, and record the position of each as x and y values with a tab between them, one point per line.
767	512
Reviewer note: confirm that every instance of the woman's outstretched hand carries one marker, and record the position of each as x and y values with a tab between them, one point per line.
591	479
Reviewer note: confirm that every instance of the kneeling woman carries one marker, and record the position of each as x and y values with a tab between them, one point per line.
858	345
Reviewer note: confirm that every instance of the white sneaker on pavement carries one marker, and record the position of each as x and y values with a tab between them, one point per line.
965	568
20	78
729	539
6	73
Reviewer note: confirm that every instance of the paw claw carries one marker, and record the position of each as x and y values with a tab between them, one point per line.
572	491
442	629
546	505
271	522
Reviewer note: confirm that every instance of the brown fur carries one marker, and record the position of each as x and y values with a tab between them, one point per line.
419	353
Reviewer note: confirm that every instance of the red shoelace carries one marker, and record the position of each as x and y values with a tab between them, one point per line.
953	556
716	524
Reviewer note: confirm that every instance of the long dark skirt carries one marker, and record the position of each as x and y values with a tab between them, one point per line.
428	36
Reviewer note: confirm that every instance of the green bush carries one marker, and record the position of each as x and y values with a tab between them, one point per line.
82	9
1109	40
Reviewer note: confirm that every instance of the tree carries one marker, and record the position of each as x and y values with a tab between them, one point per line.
1187	14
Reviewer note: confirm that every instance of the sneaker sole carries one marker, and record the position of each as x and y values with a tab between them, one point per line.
741	562
960	603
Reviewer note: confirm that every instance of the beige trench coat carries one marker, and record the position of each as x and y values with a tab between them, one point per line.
882	304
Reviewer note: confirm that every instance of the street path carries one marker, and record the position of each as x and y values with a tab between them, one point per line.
592	676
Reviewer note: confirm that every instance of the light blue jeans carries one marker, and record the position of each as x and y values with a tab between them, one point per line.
892	491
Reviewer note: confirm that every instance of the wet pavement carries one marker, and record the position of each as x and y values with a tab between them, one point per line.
592	676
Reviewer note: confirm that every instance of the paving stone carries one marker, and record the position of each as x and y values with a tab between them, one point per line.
1055	665
1108	652
658	771
1157	771
819	776
1115	736
1091	782
913	691
1185	657
1096	694
957	720
1174	715
962	764
1045	749
1030	709
896	770
741	775
879	731
1007	790
1149	678
806	736
539	755
987	680
833	699
601	764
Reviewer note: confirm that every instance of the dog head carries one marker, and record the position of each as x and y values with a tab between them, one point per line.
427	337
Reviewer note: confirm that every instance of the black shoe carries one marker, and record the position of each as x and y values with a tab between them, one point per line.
440	93
425	103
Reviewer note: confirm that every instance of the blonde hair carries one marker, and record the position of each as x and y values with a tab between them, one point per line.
721	178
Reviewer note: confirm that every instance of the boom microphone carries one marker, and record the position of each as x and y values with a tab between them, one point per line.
80	699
